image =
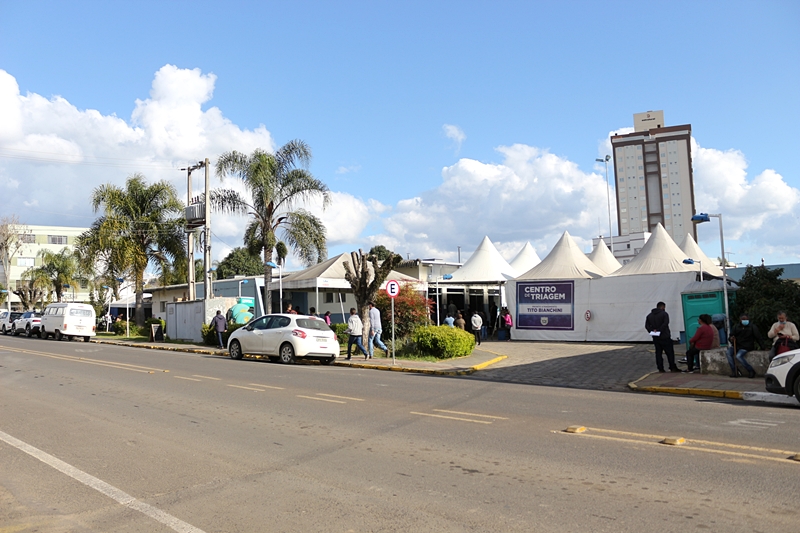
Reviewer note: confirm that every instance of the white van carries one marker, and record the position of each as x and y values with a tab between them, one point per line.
68	320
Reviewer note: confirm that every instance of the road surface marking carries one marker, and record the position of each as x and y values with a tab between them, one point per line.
452	418
754	423
265	386
190	379
102	487
319	399
206	377
246	388
469	414
99	362
341	397
695	441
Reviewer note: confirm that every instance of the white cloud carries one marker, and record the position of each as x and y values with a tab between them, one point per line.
456	134
348	169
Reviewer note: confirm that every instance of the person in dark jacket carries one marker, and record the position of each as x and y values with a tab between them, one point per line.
657	325
744	337
703	339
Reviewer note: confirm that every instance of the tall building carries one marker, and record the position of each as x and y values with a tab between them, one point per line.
653	172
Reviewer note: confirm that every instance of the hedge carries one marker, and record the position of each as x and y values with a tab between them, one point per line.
443	342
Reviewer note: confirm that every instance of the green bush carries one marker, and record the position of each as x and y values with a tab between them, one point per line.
443	342
210	335
120	328
340	329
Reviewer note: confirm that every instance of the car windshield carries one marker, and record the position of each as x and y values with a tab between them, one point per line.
310	323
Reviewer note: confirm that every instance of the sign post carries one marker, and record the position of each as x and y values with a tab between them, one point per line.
392	289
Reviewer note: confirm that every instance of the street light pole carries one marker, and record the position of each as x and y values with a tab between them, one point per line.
605	160
704	217
280	284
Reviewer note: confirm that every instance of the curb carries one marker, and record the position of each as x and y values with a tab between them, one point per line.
685	391
465	372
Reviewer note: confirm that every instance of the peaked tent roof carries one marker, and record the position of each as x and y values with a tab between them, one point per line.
485	264
565	261
526	259
692	250
602	257
331	272
659	255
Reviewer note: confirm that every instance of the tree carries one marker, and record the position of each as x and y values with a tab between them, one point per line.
380	251
240	262
411	310
142	224
365	277
277	183
12	238
60	269
34	287
762	294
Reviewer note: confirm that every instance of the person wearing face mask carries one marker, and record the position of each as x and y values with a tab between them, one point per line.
744	338
782	332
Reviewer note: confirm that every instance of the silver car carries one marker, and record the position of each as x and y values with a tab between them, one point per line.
285	337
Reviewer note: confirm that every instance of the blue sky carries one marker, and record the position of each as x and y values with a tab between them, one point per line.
529	92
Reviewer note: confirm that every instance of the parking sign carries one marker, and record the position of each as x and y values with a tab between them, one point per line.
392	288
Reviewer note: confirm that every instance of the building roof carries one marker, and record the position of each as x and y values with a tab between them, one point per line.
659	255
692	250
565	261
602	257
485	264
526	259
330	274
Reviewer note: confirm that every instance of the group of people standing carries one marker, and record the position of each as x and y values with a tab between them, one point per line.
743	338
481	326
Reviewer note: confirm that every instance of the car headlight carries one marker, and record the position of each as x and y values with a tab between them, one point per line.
781	360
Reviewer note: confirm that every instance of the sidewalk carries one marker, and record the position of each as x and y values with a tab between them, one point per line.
462	366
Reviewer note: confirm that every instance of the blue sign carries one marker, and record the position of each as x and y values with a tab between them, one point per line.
546	305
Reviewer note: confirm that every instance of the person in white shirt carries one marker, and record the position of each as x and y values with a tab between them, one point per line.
477	324
355	328
375	330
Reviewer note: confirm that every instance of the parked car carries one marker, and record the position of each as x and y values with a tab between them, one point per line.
7	319
285	337
68	320
783	374
29	323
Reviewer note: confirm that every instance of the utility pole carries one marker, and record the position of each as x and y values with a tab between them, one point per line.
207	252
189	233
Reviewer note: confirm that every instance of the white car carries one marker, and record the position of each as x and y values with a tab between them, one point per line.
7	318
28	323
783	374
284	337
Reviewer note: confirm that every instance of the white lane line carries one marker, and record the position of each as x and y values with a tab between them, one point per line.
190	379
469	414
246	388
206	377
452	418
265	386
319	399
102	487
341	397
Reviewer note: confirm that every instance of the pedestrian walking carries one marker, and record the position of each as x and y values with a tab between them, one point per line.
327	317
220	325
355	328
506	322
477	324
657	325
375	330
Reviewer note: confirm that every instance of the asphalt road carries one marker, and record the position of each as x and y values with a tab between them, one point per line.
107	439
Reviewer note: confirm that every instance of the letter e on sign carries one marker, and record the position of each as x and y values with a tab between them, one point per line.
392	288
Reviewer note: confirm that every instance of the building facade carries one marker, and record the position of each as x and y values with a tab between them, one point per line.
654	179
35	239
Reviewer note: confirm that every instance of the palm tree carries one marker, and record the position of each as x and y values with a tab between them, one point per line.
142	225
60	269
277	183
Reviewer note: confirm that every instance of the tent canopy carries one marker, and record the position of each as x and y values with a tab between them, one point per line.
485	264
330	274
602	257
659	255
565	261
692	251
526	259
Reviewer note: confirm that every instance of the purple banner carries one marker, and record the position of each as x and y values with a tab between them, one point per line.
545	305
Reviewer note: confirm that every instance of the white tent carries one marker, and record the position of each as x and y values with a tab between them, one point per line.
526	259
485	264
330	275
565	261
602	257
659	255
692	251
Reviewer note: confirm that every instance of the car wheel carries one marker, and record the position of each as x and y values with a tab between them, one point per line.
28	331
57	335
86	339
286	355
328	360
235	350
42	333
4	330
797	388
